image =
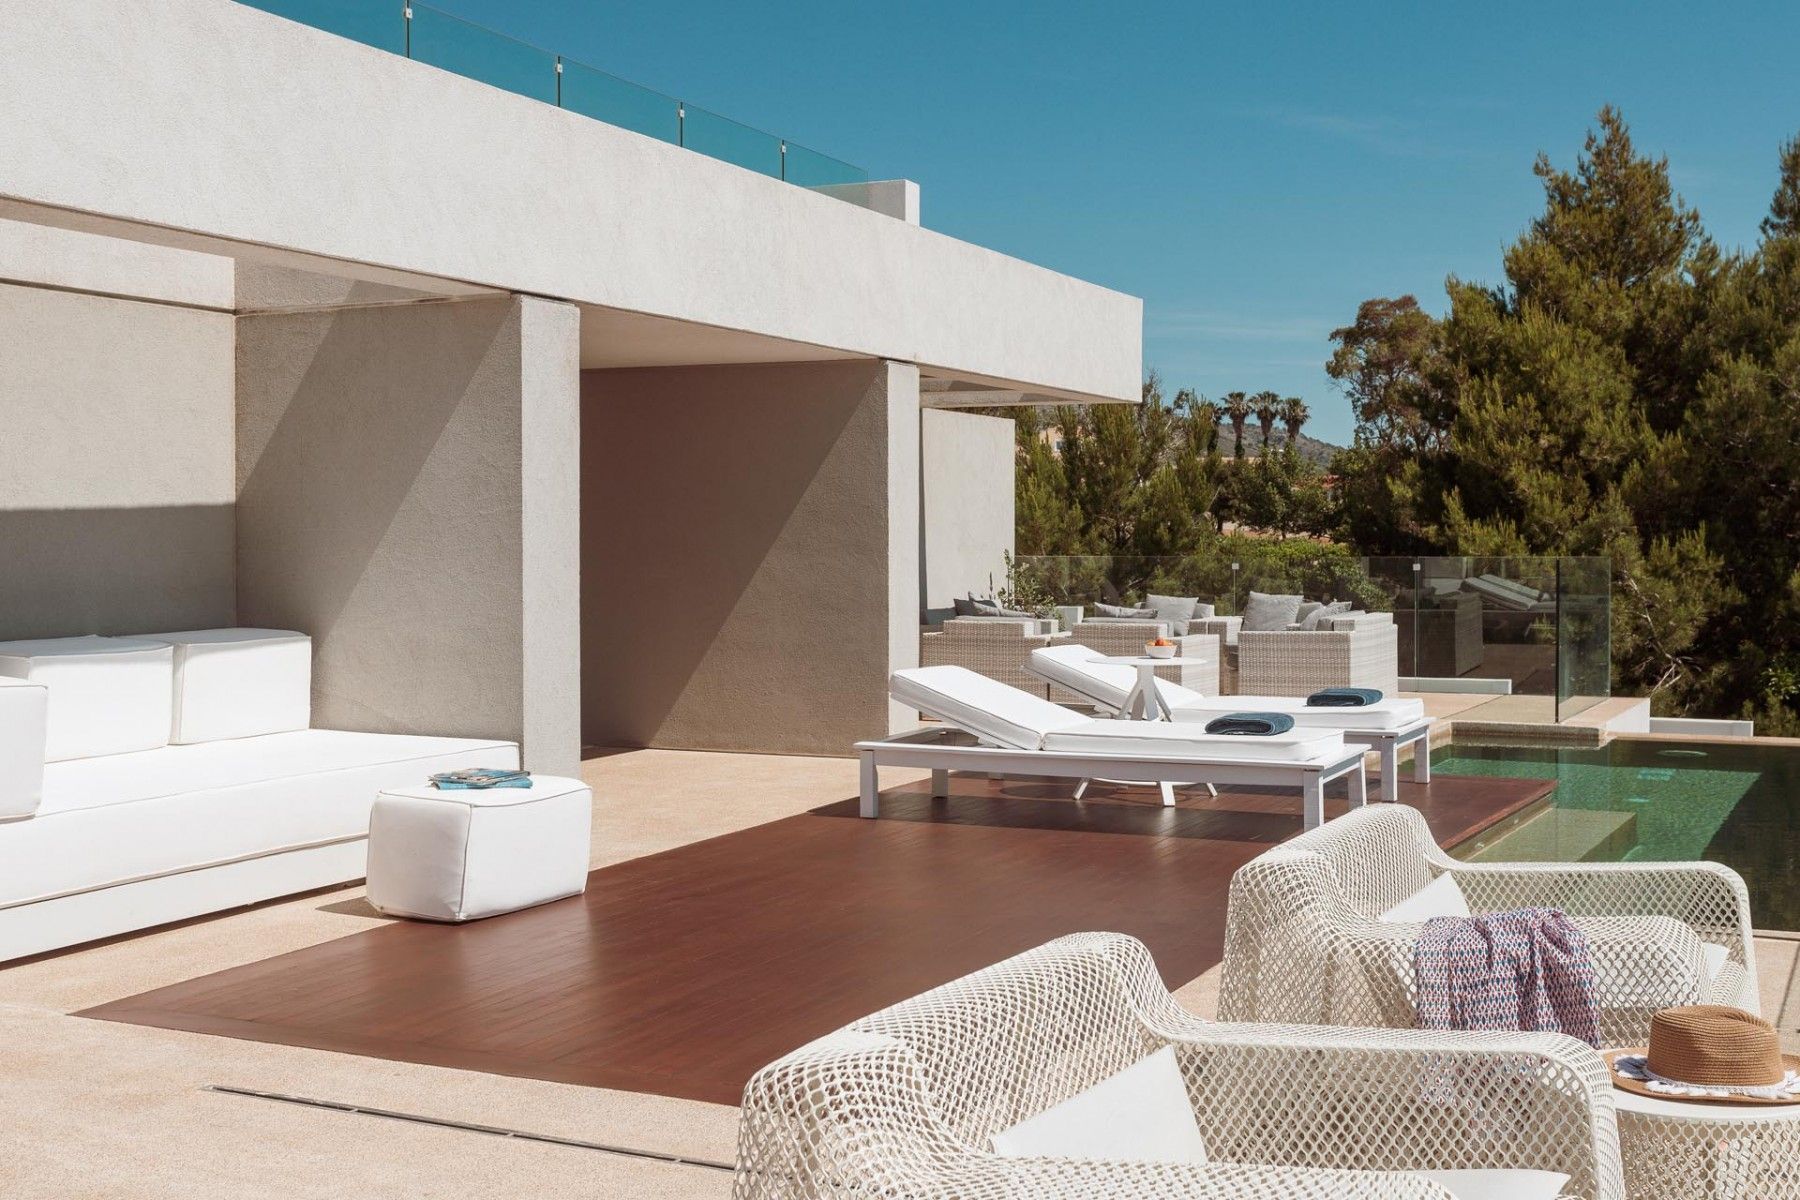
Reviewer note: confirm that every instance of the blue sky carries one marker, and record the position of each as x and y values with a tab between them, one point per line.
1252	171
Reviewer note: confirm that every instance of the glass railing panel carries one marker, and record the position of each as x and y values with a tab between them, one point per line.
481	54
731	141
378	23
809	168
619	102
1583	634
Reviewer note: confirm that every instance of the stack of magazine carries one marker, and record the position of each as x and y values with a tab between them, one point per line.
480	777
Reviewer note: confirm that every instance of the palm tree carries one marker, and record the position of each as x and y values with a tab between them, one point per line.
1266	405
1293	415
1208	415
1237	407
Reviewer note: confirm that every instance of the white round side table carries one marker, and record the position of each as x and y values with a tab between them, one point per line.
1679	1150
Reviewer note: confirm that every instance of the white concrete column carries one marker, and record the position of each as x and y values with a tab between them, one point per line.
903	522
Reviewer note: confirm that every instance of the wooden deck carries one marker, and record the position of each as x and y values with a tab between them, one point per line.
681	973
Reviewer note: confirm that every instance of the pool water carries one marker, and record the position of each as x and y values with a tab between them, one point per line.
1647	801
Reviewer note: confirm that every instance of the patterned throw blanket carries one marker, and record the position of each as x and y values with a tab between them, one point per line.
1528	969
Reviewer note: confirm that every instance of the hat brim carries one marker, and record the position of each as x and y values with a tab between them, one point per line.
1639	1087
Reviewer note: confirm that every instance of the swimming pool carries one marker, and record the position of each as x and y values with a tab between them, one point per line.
1643	800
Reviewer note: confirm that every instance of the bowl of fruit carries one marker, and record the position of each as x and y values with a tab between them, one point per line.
1160	648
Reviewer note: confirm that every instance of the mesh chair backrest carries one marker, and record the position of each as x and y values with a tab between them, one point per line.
1379	855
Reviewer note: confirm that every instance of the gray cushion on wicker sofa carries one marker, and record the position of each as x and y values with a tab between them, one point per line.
1178	610
1264	611
1322	613
1125	613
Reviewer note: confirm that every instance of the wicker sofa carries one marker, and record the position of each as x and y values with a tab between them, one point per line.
915	1101
993	646
1122	638
1311	937
1353	650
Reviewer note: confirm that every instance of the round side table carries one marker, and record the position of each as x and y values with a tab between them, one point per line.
1679	1150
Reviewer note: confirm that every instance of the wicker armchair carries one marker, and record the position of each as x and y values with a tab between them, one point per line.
1125	638
1304	941
903	1103
993	646
1349	651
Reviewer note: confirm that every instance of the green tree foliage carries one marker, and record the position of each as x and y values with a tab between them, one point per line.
1629	390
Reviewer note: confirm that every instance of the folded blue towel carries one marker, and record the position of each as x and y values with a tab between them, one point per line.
1251	724
480	778
1343	697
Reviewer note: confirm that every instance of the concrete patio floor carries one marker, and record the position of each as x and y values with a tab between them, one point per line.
103	1109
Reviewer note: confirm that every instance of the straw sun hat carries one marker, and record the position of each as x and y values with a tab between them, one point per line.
1711	1054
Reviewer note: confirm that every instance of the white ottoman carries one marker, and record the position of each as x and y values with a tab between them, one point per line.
466	854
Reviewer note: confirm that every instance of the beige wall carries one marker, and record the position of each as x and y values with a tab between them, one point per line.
116	425
406	481
749	553
966	472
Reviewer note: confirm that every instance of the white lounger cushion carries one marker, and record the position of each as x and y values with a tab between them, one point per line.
1086	672
22	709
133	816
107	695
1390	712
235	683
991	710
1158	739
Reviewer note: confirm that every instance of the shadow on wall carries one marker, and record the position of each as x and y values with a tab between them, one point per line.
66	572
734	556
378	508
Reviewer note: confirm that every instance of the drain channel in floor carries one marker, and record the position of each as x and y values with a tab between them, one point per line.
492	1130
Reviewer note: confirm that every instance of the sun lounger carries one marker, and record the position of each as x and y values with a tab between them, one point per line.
993	728
1384	727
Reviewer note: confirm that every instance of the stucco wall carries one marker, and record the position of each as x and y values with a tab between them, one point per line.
749	553
116	426
212	117
966	472
406	481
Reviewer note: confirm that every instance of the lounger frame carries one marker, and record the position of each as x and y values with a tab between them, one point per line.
937	750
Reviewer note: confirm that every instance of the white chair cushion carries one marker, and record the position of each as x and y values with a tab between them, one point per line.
107	695
1390	712
1439	898
22	711
1160	739
235	683
1086	672
466	854
1142	1114
1497	1184
987	708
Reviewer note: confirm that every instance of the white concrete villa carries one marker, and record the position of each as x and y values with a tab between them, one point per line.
478	715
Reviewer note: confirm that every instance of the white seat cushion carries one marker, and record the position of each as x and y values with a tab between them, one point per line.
107	695
22	710
1086	672
1159	739
1498	1184
1442	897
1141	1114
987	708
136	816
1390	712
470	853
234	683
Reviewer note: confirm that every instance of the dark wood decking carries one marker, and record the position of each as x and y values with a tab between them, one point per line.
682	972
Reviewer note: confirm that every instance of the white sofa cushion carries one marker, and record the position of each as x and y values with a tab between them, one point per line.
987	708
1390	712
22	710
1086	672
1160	739
1499	1184
1142	1114
466	854
234	683
1439	898
136	816
108	695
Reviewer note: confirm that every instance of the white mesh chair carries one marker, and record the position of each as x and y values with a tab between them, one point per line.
905	1103
1306	942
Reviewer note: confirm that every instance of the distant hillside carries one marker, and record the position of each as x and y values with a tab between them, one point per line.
1311	448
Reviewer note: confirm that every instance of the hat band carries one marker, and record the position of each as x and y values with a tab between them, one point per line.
1637	1066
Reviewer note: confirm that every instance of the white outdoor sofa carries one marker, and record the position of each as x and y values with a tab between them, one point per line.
995	729
1069	1071
1385	726
150	779
1321	929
